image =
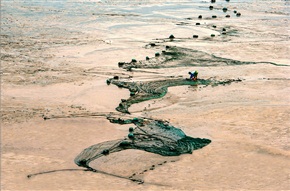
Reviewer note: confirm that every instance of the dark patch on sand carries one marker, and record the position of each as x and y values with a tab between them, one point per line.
155	136
181	57
143	91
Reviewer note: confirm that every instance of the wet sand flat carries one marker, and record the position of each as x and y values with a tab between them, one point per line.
56	58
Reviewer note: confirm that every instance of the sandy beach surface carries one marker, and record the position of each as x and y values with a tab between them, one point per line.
57	55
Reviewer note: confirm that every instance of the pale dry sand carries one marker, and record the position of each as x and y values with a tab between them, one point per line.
56	57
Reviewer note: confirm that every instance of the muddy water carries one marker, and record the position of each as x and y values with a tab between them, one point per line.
56	58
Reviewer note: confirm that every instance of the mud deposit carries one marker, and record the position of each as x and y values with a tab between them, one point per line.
183	57
143	91
153	136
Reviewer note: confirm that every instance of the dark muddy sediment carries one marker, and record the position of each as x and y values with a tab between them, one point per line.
143	91
155	136
175	56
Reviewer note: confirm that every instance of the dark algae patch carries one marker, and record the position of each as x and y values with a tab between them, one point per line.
143	91
155	136
181	57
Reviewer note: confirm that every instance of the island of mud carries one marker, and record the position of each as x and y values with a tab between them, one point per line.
174	56
153	136
143	91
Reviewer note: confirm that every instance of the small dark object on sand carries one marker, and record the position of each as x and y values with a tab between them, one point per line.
152	44
224	29
235	11
105	152
116	77
157	54
213	1
224	33
227	0
214	26
195	36
228	16
238	14
167	47
131	136
120	64
200	16
124	144
197	23
134	60
172	36
214	16
132	93
45	118
225	9
147	58
211	7
212	35
131	129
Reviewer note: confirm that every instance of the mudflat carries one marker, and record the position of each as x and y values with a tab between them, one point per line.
74	72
